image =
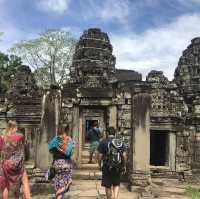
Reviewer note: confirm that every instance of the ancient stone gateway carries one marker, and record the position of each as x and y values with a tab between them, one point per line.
157	118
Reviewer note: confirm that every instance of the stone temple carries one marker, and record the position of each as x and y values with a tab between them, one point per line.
158	119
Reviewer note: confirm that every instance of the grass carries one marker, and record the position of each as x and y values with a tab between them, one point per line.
192	192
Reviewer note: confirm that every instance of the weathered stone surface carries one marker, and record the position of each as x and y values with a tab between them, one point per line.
98	91
93	62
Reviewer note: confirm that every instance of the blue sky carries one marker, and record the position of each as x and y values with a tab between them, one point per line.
145	34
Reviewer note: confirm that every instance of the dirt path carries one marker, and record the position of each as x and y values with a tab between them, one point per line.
160	189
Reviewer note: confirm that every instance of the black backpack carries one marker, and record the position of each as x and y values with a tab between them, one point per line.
115	154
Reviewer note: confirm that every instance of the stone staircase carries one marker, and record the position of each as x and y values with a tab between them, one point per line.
163	172
86	182
86	171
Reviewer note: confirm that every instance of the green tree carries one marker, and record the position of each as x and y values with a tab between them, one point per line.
8	68
50	56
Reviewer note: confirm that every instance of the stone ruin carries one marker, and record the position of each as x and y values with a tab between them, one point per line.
158	119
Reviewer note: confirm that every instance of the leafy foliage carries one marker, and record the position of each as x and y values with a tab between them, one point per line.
50	56
193	192
8	67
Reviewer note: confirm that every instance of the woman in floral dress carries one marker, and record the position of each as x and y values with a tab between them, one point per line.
12	173
61	147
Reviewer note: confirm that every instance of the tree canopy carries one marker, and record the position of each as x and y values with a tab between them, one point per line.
8	67
49	55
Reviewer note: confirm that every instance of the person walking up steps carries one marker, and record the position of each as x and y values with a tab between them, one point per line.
111	152
94	136
61	147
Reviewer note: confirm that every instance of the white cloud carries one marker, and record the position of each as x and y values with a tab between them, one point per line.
158	48
115	9
58	6
106	10
189	2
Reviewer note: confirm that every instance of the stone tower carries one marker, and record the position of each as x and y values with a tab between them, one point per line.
187	74
187	77
93	62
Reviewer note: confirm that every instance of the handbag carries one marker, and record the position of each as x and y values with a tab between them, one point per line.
51	172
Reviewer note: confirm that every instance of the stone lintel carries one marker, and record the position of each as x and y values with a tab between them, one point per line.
95	102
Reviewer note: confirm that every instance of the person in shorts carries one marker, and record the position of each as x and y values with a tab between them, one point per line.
94	136
111	178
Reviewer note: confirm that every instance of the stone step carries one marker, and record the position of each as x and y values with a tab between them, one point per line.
86	146
85	151
85	155
77	174
164	175
86	160
84	172
87	174
88	166
41	188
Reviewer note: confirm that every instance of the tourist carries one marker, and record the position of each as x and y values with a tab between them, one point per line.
13	175
94	136
112	155
62	147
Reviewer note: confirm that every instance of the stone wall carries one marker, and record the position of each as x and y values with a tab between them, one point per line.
95	84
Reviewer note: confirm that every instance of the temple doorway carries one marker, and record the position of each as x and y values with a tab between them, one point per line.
89	116
159	148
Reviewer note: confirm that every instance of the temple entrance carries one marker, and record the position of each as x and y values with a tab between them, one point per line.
89	116
159	148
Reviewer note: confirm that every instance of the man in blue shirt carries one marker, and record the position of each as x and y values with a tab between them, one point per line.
111	177
94	136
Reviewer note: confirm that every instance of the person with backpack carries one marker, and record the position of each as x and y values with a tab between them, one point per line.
61	146
94	136
112	161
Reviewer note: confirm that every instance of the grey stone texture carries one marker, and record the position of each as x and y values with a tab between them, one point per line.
169	122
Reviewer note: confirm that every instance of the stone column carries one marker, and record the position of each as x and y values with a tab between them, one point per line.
172	151
140	174
48	128
28	143
76	132
113	116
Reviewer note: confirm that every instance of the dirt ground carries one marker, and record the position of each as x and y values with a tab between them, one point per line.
91	189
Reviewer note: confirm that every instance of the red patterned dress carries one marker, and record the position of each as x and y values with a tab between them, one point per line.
11	163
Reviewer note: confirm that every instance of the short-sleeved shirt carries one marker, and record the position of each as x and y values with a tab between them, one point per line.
103	147
94	134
